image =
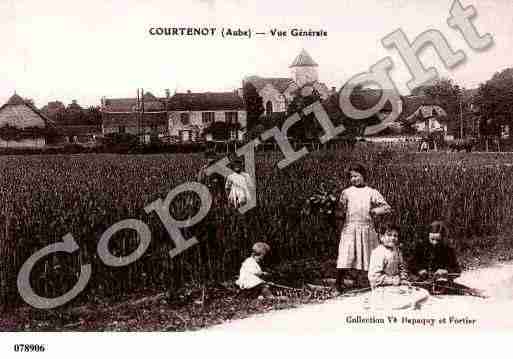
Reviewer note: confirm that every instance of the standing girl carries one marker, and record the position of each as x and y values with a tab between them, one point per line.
238	186
360	204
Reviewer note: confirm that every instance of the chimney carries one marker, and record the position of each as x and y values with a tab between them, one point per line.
168	93
333	89
189	92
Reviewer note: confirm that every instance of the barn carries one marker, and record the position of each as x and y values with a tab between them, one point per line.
22	125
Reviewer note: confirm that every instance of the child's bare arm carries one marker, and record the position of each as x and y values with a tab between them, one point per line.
380	205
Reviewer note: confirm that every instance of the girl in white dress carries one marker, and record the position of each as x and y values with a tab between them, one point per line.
238	186
358	238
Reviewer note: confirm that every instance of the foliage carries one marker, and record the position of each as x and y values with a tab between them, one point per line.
253	103
308	128
74	115
495	100
120	142
221	130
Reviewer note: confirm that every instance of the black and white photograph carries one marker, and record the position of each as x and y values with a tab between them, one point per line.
228	167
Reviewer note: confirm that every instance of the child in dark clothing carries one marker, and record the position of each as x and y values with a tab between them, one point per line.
435	261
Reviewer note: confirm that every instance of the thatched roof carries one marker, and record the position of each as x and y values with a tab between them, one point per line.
19	114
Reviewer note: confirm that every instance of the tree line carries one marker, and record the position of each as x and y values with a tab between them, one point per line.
483	111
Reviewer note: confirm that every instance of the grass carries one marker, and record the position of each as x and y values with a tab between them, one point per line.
49	196
196	307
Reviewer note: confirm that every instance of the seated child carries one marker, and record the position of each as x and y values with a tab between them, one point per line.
386	265
251	274
434	259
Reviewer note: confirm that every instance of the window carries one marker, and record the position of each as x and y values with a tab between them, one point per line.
268	108
207	117
185	118
122	129
504	131
231	117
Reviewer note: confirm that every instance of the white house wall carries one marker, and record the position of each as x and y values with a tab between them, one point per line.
433	125
195	117
270	93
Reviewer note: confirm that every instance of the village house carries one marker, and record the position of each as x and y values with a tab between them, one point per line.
146	118
424	115
23	125
192	116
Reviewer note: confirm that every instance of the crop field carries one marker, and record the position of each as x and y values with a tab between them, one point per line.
45	197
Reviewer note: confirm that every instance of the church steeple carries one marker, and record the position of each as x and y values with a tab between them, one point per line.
303	59
304	69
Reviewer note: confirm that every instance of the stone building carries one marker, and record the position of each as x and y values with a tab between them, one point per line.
192	114
278	92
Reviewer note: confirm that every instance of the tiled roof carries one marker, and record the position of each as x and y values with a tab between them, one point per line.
279	83
151	103
129	104
426	111
412	103
17	113
303	59
206	101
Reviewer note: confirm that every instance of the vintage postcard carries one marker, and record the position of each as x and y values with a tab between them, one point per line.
233	166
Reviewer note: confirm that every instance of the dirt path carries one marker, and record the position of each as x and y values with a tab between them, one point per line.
341	314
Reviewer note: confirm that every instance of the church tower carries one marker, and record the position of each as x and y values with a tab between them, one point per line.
304	69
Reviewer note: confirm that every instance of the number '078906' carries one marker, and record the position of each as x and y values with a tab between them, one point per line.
29	348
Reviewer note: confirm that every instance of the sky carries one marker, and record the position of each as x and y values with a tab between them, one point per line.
78	50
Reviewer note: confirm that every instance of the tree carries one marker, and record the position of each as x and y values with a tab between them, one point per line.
362	99
308	128
253	103
220	131
30	102
495	101
93	116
